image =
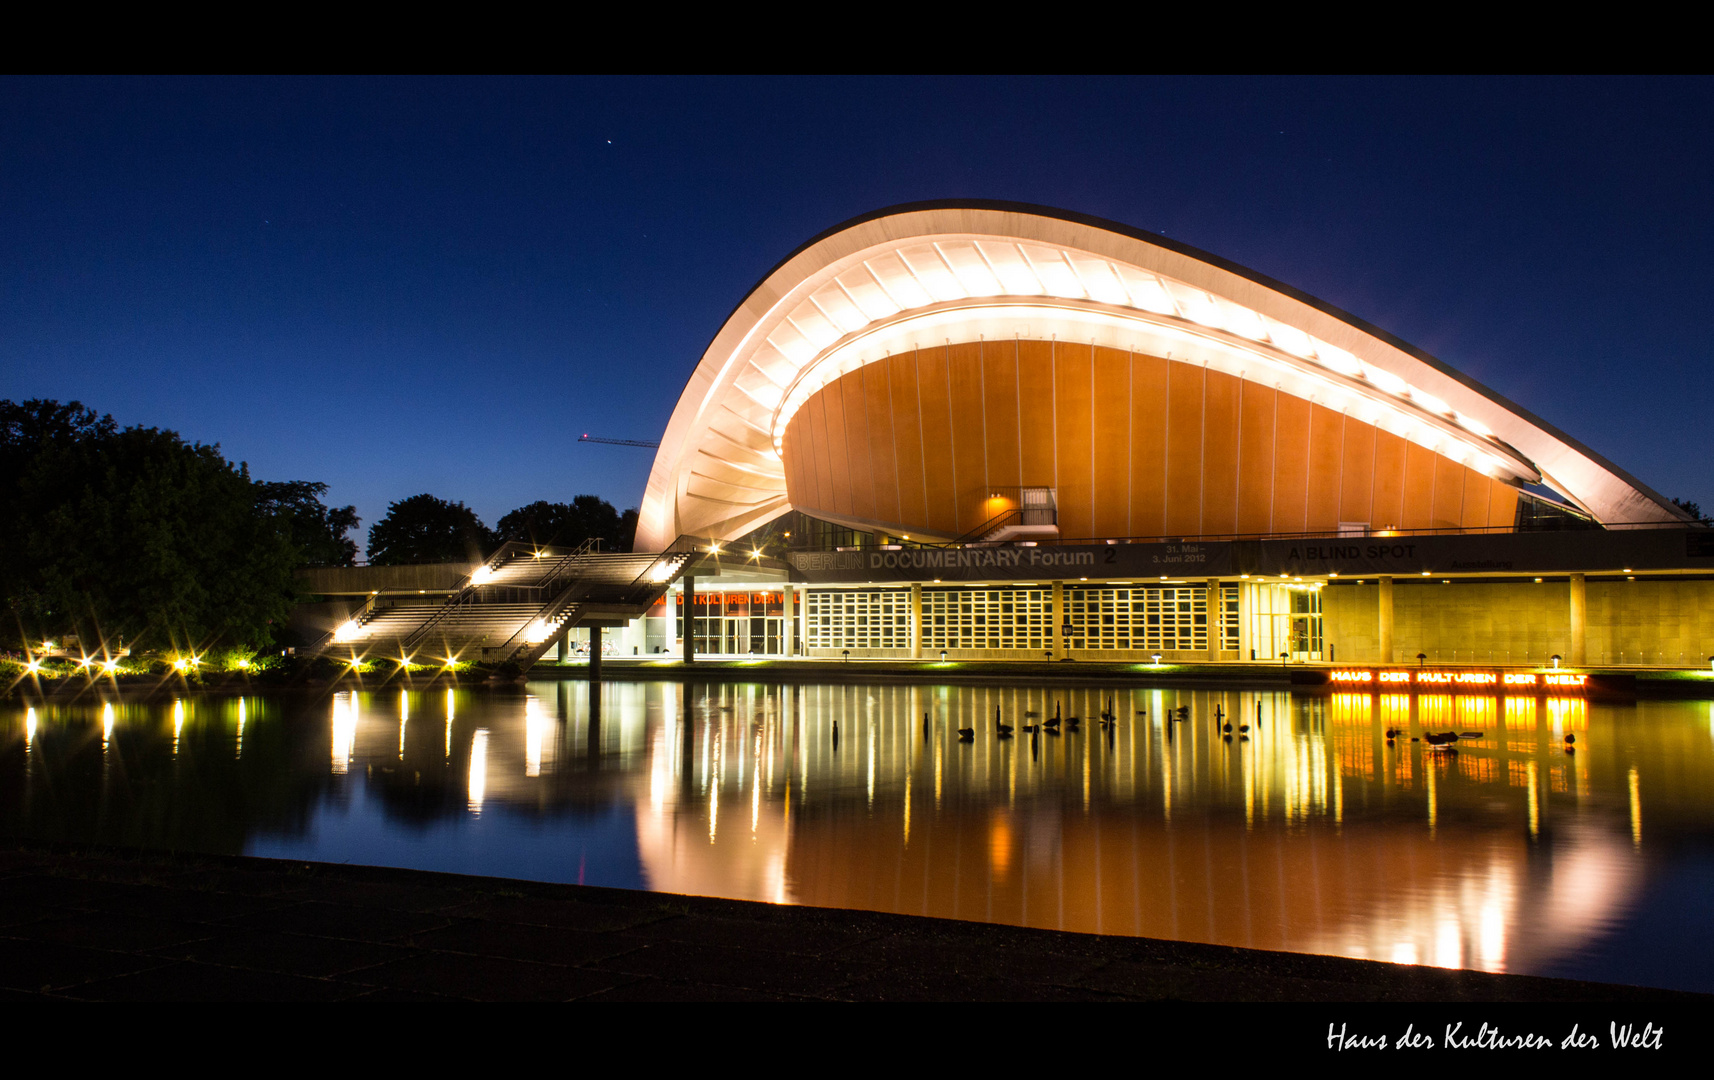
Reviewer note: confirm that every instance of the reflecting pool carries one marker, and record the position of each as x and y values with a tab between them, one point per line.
1567	838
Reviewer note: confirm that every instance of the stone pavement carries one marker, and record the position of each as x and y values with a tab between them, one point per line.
115	925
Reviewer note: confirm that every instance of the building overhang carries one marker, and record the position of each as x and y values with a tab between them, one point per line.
927	274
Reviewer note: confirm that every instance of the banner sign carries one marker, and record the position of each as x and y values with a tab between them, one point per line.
1350	557
1043	563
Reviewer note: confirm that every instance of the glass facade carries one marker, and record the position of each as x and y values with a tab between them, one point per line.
858	619
1165	619
738	623
986	618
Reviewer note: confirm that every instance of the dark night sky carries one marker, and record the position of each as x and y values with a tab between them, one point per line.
400	286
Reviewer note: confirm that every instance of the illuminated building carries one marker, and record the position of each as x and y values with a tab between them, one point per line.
1007	431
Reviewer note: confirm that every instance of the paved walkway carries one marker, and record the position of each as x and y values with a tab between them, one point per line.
110	925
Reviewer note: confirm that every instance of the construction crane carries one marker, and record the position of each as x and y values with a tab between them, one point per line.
621	442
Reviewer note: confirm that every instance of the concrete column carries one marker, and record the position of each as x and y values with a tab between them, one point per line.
671	630
688	620
1246	614
1579	608
594	654
1214	616
1386	620
800	628
565	645
916	620
1053	637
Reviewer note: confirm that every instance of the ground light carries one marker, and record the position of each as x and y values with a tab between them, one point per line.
1157	659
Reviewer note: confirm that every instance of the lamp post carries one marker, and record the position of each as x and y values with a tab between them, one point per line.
1556	661
1422	658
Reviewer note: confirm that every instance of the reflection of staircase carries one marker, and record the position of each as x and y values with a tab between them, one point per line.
512	607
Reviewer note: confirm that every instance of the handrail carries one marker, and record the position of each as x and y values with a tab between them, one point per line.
1023	514
328	641
591	546
1309	534
573	594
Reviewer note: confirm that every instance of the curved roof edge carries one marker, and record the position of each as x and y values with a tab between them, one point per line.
718	473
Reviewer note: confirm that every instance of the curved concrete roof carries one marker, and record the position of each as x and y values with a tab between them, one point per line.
927	273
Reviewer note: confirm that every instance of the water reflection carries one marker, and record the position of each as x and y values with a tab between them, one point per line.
1253	819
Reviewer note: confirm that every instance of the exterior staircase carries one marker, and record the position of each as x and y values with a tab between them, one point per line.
514	606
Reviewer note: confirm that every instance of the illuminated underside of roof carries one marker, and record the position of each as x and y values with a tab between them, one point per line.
927	274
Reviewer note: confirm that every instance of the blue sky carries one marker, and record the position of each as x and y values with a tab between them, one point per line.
400	286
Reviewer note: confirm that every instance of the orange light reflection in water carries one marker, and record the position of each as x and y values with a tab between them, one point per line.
1311	831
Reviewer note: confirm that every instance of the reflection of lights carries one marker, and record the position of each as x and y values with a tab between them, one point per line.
344	730
535	729
106	723
478	769
178	723
1491	935
449	723
240	727
1535	802
999	848
29	727
1448	948
1636	810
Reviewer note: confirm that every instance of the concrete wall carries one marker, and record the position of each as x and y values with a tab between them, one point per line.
1657	623
353	580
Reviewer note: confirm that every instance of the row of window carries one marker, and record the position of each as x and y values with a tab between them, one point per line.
1164	618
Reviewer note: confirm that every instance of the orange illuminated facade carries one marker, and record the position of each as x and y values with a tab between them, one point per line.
1131	444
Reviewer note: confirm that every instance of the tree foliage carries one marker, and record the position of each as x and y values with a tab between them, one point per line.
569	524
316	530
424	529
1693	510
134	534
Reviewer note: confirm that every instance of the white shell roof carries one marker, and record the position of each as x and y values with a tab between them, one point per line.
925	274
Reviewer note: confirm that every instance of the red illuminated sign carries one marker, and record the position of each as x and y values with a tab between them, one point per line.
1551	682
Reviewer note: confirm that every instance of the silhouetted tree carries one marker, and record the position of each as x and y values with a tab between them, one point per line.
423	529
569	524
133	533
317	530
1693	510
